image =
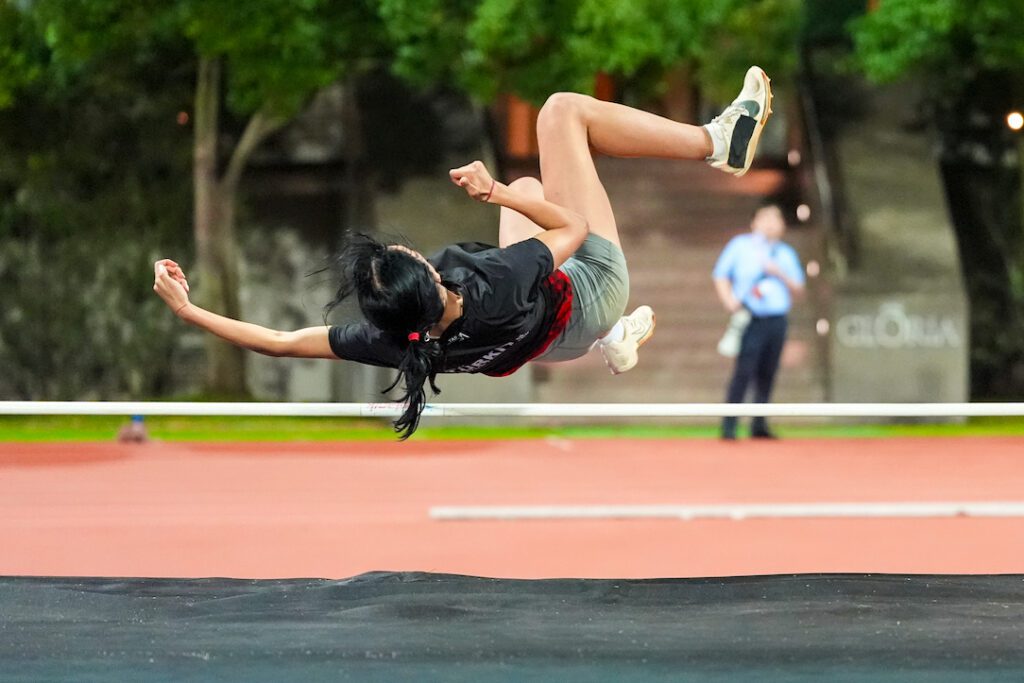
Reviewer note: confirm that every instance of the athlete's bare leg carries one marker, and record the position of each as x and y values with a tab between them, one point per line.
569	124
513	226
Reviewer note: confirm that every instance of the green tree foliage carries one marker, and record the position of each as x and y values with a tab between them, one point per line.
276	55
254	65
20	52
948	37
80	322
94	184
536	47
264	59
765	32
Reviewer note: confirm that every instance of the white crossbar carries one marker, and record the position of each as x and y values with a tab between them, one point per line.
734	512
609	410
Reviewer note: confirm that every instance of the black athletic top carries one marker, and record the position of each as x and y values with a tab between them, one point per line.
514	304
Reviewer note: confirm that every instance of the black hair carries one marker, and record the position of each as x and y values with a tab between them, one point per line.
769	202
397	295
785	200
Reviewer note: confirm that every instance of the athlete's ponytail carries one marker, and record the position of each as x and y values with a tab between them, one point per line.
414	371
397	295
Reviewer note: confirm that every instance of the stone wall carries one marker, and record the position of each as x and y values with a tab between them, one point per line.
899	329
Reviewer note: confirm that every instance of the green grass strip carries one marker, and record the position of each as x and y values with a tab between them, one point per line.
22	429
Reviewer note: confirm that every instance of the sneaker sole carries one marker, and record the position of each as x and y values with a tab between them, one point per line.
650	333
756	137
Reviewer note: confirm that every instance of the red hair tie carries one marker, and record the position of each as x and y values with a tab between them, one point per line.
414	336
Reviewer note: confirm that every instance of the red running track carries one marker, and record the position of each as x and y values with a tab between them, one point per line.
339	509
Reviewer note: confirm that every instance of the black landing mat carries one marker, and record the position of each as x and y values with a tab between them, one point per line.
435	627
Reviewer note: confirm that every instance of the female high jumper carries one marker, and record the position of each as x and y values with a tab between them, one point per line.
554	287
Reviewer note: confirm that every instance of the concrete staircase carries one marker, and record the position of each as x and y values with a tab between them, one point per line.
674	218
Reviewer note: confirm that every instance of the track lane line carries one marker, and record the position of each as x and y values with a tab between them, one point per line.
735	512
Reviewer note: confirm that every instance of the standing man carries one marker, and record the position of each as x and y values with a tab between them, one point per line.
759	272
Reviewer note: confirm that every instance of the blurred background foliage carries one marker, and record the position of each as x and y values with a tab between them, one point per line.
100	173
98	180
533	48
94	177
970	56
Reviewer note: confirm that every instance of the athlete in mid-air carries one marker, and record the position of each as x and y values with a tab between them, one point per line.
556	285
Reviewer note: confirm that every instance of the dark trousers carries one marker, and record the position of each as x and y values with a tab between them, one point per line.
758	361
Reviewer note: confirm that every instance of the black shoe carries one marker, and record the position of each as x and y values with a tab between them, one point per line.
728	437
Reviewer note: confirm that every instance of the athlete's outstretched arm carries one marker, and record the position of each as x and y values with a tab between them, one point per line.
170	284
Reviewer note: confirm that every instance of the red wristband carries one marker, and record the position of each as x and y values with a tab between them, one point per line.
488	195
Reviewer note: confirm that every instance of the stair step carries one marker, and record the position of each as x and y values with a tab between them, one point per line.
674	220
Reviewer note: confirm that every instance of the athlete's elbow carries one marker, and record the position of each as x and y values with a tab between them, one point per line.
265	349
277	345
578	231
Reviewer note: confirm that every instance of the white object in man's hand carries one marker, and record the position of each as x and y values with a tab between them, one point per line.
729	345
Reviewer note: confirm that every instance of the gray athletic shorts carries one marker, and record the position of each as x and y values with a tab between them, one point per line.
600	291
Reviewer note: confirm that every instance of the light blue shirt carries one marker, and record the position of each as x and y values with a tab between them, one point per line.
742	263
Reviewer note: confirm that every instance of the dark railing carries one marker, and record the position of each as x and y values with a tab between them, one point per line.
827	173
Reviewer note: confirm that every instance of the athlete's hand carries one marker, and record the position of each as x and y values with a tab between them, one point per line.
170	284
475	179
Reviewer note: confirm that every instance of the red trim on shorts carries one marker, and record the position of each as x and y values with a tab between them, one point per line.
560	288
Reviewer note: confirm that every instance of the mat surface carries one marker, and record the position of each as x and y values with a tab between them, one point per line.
436	627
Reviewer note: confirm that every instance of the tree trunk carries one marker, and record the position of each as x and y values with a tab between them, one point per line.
358	193
215	240
681	99
358	215
216	247
1020	225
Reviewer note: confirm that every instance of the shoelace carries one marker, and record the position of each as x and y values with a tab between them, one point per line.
635	326
730	114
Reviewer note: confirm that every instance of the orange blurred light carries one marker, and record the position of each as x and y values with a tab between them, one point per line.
1015	120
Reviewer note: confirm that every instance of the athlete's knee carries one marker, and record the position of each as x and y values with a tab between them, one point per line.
528	185
560	108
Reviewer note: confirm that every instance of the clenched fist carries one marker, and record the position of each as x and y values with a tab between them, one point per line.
170	284
475	179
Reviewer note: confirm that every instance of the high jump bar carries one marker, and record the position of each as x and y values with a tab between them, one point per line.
517	410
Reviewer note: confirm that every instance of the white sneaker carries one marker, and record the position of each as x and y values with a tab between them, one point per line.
622	355
737	130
